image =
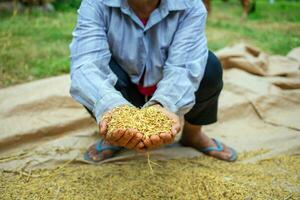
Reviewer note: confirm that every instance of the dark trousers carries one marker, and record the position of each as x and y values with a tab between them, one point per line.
206	108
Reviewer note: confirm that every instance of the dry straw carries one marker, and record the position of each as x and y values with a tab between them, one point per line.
197	178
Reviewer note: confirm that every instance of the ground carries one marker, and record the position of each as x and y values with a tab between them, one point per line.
198	178
35	45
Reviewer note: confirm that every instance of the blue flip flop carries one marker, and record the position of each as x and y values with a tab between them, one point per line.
100	147
219	148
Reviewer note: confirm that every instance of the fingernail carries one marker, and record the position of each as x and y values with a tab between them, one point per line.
174	130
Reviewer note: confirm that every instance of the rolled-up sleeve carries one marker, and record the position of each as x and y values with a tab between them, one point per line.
185	65
92	81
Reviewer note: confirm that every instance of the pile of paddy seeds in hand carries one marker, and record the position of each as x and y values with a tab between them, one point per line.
148	121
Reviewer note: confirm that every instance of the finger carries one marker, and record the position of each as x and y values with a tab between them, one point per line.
113	143
135	140
166	137
123	141
140	147
174	131
175	128
116	135
105	142
155	140
108	137
103	128
147	143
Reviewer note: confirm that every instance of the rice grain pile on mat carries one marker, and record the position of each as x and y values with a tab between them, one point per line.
199	178
149	120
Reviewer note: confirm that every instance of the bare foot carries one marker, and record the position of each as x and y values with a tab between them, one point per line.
101	150
200	140
110	144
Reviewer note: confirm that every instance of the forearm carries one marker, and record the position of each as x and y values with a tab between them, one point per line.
90	88
185	66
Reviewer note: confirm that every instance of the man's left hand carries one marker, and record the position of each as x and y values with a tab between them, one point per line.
164	138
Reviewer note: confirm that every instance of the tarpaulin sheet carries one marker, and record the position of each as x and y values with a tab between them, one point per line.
41	126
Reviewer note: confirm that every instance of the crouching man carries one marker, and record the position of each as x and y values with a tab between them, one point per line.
147	53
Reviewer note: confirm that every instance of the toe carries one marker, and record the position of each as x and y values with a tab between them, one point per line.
222	155
106	154
227	153
92	151
94	155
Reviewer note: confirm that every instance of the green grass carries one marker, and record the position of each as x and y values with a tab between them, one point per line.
35	45
274	28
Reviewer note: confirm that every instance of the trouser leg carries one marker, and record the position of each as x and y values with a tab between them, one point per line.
206	108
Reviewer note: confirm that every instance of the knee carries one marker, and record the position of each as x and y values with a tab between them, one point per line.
213	74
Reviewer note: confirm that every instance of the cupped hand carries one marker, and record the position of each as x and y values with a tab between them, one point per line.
128	138
156	141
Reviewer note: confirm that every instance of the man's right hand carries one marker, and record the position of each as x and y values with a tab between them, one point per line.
128	138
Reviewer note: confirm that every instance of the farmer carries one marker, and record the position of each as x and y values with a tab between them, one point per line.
147	53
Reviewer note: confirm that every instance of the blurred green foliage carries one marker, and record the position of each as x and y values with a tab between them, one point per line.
58	4
34	45
66	4
30	2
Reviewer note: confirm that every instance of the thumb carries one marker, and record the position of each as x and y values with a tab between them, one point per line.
175	129
103	128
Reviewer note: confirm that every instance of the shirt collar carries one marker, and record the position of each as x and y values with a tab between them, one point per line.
112	3
172	5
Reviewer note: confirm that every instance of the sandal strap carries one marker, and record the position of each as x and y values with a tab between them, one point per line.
219	147
101	146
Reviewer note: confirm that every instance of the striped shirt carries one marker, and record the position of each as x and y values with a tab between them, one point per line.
171	51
